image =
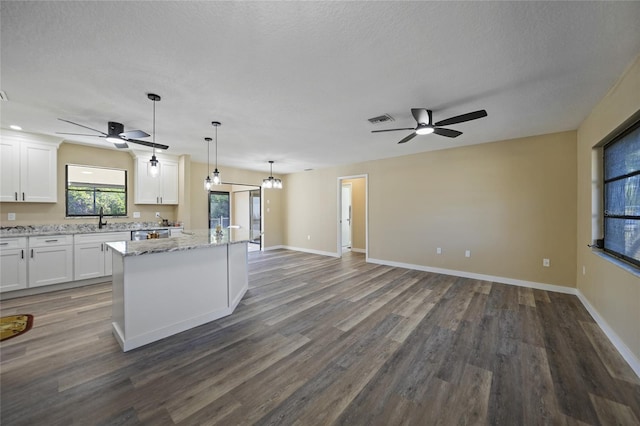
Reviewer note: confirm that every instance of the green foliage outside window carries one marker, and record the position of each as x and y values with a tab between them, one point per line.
87	200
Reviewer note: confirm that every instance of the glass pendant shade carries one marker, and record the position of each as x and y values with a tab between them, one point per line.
154	167
216	177
207	183
267	183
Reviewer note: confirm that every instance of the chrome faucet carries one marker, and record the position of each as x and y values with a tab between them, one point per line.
100	222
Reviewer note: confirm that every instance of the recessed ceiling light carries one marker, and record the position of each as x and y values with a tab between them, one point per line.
14	127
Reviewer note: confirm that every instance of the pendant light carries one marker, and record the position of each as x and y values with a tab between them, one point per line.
271	182
207	180
154	164
216	173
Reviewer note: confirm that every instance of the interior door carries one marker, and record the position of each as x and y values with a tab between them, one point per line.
346	216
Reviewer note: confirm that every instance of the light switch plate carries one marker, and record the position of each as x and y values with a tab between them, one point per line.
11	216
136	215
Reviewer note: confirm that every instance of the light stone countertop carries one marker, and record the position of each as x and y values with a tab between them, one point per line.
189	240
77	228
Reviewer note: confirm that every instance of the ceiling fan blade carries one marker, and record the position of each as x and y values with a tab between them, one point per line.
392	130
462	118
408	138
447	132
422	115
71	122
131	134
79	134
150	144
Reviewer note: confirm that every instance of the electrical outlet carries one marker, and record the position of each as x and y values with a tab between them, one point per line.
157	214
546	263
308	237
584	270
438	250
11	216
467	253
136	215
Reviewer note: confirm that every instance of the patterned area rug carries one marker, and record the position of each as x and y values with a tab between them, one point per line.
15	325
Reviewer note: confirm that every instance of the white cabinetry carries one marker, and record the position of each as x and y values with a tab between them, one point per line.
162	189
28	169
50	260
92	256
13	263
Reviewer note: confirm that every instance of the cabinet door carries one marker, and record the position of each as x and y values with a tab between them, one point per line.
108	261
88	261
38	171
13	269
50	265
169	182
147	190
9	170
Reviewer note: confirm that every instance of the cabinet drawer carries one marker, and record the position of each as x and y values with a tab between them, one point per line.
104	237
50	240
13	243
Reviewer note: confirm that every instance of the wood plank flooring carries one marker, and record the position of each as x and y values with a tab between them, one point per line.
321	341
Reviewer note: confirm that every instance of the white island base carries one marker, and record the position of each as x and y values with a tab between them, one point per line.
156	295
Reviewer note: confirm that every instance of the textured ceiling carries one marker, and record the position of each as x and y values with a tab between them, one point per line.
295	82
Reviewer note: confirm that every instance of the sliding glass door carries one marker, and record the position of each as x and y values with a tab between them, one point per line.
218	209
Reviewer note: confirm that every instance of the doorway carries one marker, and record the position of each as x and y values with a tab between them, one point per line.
346	216
219	210
353	214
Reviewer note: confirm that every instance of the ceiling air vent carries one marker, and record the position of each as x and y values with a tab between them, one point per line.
380	119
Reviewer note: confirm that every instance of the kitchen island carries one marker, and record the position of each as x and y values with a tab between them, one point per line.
165	286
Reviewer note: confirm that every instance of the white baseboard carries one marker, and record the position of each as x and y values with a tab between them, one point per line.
312	251
273	248
465	274
613	337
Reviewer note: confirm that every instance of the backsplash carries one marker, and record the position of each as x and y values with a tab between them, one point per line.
77	228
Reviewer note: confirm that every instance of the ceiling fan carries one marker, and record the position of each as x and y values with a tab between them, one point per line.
426	125
117	135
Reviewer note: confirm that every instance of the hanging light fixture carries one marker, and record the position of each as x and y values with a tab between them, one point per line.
154	164
216	173
271	182
207	181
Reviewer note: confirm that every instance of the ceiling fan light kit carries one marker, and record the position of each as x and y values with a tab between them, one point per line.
425	125
271	182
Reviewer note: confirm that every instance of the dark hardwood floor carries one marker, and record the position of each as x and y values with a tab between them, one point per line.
320	341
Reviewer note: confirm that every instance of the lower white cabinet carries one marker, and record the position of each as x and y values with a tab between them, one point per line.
92	256
50	260
13	263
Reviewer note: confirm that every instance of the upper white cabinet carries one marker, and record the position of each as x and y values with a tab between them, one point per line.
28	168
162	189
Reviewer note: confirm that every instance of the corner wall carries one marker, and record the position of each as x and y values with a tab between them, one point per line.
611	290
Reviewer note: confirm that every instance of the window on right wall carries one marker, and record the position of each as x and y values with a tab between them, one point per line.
621	164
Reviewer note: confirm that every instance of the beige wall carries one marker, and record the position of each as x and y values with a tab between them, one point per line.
54	213
358	209
512	203
613	291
